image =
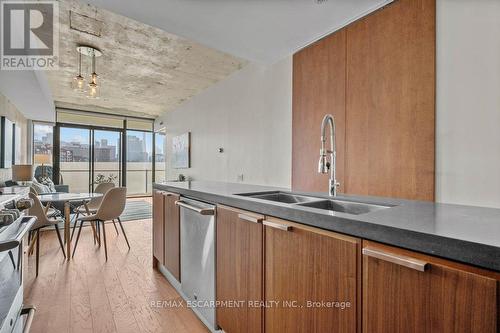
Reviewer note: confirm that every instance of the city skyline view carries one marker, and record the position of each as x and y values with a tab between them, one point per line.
74	156
139	144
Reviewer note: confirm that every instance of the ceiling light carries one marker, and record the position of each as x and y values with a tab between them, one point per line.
92	89
78	83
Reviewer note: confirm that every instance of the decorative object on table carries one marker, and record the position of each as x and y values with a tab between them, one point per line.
6	142
101	179
22	172
23	204
181	146
181	177
10	183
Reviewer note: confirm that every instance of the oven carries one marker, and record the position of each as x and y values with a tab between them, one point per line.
14	317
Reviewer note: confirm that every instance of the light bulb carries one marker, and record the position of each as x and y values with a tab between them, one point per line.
94	89
79	83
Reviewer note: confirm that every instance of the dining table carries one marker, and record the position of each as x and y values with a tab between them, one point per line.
68	198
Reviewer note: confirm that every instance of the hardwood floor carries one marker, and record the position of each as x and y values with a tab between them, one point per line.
89	294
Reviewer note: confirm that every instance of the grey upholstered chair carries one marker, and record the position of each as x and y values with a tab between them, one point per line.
112	206
42	221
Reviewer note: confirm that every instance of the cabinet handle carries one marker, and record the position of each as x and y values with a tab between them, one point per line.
201	211
401	260
168	194
279	226
30	311
249	218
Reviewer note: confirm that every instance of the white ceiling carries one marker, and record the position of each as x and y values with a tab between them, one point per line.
258	30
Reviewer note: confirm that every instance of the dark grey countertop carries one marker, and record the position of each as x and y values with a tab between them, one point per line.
465	234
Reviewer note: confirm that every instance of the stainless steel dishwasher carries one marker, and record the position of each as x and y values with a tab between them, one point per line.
198	257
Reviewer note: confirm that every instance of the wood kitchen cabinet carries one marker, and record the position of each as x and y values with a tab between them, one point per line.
304	265
166	232
158	228
405	291
172	225
239	270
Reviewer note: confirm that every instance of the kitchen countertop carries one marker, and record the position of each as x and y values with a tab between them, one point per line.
465	234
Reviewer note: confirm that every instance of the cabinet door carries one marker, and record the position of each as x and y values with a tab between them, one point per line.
172	235
310	279
407	292
158	227
239	270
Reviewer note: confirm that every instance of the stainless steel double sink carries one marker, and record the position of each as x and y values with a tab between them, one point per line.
333	205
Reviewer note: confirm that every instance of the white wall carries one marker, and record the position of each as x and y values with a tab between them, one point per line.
249	115
11	112
468	102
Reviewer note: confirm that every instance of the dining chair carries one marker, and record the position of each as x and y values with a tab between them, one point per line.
93	205
42	221
112	206
50	212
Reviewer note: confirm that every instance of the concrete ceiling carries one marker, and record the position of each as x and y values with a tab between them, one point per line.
257	30
144	70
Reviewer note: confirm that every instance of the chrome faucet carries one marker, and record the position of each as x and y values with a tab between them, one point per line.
324	165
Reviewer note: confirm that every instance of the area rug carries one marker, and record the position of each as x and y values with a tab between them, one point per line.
136	210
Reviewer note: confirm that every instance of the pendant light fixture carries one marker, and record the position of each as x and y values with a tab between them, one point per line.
92	89
79	80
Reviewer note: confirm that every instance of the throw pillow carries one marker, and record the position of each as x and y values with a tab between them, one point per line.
40	188
49	183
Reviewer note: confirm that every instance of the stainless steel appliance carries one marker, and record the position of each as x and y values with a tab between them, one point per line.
198	258
14	317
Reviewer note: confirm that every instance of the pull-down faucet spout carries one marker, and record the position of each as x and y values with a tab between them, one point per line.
324	165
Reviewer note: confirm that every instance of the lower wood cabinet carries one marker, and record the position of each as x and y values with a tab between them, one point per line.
277	276
158	228
166	232
239	270
172	236
409	292
311	278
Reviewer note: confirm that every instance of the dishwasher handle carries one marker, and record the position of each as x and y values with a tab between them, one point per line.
201	211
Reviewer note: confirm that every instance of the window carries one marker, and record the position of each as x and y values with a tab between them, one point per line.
139	162
43	140
159	157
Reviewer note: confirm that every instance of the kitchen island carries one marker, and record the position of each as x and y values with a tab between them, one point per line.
423	261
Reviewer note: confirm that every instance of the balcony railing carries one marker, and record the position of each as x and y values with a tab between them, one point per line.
139	176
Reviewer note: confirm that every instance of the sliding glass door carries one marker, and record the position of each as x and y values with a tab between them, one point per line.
139	162
159	163
106	157
89	156
86	155
74	158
